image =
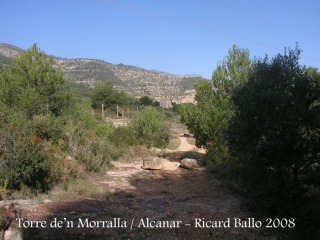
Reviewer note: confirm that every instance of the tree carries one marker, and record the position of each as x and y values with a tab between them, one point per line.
232	72
31	85
275	134
145	101
104	93
32	94
209	119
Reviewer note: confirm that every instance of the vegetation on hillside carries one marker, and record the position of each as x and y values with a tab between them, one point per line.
134	80
49	135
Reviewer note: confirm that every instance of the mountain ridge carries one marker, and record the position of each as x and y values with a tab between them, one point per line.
134	80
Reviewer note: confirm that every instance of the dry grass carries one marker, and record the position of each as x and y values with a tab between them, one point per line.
77	189
135	154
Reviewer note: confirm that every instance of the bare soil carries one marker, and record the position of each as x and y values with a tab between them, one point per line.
171	195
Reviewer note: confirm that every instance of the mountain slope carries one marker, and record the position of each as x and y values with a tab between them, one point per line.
134	80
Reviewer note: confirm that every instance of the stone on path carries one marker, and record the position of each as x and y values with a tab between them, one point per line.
189	163
152	163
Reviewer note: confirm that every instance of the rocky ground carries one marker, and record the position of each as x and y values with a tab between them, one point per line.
172	203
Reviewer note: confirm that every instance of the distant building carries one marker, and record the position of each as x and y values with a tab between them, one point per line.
189	99
165	103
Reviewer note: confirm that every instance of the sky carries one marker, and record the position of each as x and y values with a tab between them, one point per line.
173	36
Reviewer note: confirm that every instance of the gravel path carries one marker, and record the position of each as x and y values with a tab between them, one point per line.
173	196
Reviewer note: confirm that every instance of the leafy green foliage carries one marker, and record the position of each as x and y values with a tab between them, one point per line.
150	128
80	89
275	137
209	119
31	86
232	71
32	96
4	60
22	160
145	101
104	93
124	136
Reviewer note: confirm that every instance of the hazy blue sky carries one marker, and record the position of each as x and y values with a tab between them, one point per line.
175	36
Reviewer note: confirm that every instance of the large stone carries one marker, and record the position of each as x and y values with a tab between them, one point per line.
189	163
152	163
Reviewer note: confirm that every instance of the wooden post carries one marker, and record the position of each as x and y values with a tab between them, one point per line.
117	111
122	114
102	110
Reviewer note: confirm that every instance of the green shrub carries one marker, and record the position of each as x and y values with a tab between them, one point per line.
47	127
24	162
124	136
150	128
103	130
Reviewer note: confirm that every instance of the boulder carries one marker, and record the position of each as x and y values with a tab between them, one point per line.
152	163
189	163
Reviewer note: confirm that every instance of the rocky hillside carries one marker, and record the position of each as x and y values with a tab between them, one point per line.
134	80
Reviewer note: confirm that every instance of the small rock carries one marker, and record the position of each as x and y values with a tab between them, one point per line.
189	163
152	163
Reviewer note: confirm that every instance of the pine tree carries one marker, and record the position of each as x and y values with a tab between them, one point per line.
31	85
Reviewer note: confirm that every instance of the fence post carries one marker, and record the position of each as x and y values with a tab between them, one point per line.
117	111
102	110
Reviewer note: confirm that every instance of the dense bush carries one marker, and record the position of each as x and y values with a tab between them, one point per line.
22	160
275	139
150	128
124	136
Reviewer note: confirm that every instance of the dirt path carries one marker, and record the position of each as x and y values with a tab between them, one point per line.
185	145
174	196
